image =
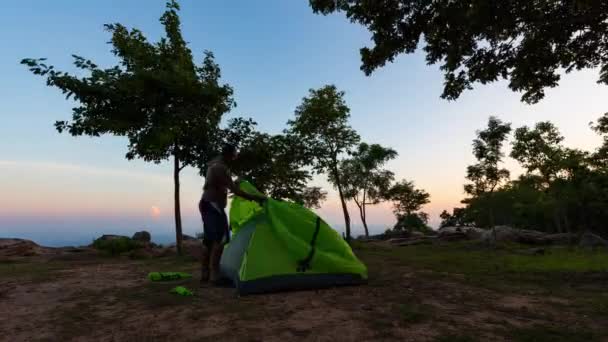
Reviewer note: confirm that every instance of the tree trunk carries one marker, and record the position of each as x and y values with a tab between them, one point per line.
491	219
344	208
556	219
363	218
363	213
178	216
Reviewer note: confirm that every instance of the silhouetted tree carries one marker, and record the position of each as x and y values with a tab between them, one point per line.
486	175
600	157
457	218
526	42
364	180
407	202
275	164
156	97
562	190
539	150
321	121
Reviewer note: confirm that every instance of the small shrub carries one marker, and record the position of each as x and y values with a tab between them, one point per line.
117	245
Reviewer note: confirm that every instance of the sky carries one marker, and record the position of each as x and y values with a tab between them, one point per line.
57	189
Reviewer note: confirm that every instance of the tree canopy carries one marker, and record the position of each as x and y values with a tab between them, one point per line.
321	120
562	190
275	164
157	97
364	179
528	43
407	203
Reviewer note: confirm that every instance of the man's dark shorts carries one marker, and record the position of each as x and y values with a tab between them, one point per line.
215	224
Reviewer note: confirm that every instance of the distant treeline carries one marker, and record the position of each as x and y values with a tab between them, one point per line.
562	190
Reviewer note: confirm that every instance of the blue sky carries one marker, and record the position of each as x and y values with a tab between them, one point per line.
56	185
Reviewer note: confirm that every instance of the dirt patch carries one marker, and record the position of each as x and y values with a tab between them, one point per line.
111	300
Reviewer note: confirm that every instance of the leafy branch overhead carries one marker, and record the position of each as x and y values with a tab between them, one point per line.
528	43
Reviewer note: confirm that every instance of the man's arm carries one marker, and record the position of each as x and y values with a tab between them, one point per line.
234	188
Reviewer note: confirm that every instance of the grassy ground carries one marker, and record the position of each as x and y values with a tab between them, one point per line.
454	292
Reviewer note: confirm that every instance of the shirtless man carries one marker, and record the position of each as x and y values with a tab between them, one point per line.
218	181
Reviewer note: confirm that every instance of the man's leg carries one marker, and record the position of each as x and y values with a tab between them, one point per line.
214	259
206	245
218	248
204	263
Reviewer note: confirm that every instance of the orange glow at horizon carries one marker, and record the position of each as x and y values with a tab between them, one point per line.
155	212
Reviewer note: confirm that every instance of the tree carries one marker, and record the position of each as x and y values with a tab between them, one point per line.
364	180
165	105
525	42
275	164
486	175
539	150
600	157
312	197
407	202
457	218
563	190
321	120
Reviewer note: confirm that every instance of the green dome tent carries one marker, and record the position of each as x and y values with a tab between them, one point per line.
284	246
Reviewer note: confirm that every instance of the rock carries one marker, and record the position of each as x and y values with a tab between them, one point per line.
561	239
590	240
474	233
451	234
504	234
142	236
397	234
460	233
19	247
417	235
187	237
108	237
415	242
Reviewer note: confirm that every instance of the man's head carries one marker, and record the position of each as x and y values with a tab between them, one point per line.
229	152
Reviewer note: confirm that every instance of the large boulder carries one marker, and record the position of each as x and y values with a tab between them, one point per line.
110	237
19	248
561	239
590	240
142	236
504	234
452	234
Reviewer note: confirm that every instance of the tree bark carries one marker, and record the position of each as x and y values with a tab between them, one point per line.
344	208
178	216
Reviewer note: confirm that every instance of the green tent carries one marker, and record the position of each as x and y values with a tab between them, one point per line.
284	246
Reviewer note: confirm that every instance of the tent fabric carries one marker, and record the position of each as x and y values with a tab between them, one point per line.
284	246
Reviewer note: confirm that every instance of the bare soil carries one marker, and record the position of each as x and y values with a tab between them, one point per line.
110	299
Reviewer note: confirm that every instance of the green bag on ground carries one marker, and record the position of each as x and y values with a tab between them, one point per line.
182	291
165	276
